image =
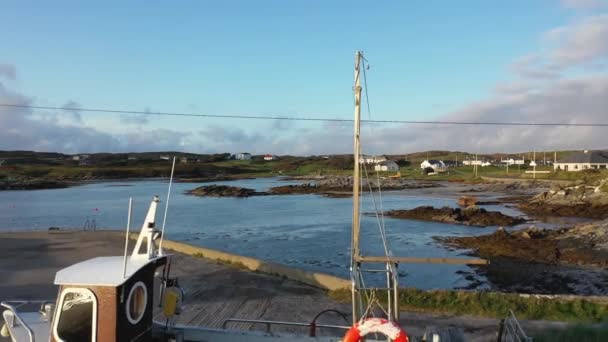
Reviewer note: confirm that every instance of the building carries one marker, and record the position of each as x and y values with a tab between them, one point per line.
270	157
1	162
79	157
583	160
242	156
451	163
132	158
184	160
387	165
436	165
472	162
372	159
164	157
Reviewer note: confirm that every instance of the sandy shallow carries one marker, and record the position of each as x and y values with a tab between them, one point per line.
214	292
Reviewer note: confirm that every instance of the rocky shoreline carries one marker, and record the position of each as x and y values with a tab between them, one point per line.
576	201
224	191
471	216
585	244
34	184
342	186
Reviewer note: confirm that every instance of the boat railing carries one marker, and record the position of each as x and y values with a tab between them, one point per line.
511	330
312	326
12	306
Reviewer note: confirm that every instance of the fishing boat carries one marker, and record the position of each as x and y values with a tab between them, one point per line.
120	298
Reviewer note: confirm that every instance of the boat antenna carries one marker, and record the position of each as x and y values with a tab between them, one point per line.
162	232
124	266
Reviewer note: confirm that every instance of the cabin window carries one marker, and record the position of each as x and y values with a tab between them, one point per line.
136	302
76	316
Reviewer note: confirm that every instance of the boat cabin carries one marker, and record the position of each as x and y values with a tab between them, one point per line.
96	286
101	299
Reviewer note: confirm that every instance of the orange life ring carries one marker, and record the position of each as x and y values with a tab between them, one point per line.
376	325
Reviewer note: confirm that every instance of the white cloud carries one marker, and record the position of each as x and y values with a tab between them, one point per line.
550	85
73	109
8	71
579	44
22	129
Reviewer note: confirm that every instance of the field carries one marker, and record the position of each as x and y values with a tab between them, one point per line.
20	166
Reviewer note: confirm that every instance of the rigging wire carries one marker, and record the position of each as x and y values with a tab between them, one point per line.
379	214
319	119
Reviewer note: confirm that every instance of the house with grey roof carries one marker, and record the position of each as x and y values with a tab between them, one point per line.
583	160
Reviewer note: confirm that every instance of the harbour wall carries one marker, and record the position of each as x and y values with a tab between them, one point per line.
317	279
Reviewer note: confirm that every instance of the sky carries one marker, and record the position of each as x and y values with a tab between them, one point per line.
469	60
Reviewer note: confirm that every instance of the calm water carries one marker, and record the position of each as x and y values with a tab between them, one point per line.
305	231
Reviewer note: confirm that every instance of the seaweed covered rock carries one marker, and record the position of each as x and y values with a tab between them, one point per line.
472	216
224	191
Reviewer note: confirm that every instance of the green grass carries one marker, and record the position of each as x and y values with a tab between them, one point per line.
493	304
287	165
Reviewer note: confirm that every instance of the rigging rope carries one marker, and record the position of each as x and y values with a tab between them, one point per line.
380	215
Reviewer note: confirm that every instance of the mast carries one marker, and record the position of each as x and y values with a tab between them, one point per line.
356	186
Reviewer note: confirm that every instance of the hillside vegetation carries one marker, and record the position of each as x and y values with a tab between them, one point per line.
53	169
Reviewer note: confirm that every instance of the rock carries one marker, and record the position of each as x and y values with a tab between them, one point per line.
467	201
585	244
472	216
224	191
341	186
576	201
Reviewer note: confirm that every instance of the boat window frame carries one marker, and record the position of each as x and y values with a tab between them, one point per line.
57	316
130	318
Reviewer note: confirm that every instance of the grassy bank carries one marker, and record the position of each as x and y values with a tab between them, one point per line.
497	305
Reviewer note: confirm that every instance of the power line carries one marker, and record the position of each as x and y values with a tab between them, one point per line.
258	117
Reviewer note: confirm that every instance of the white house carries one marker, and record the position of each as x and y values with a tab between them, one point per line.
472	162
270	157
164	157
387	165
1	162
78	157
583	160
372	159
242	156
512	161
436	165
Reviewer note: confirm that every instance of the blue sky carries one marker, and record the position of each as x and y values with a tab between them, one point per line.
428	58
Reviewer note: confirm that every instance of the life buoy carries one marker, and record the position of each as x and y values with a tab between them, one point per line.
376	325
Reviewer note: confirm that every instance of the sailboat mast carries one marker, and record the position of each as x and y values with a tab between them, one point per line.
356	155
355	254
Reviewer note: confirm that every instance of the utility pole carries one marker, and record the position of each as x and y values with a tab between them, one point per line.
554	157
534	163
475	165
